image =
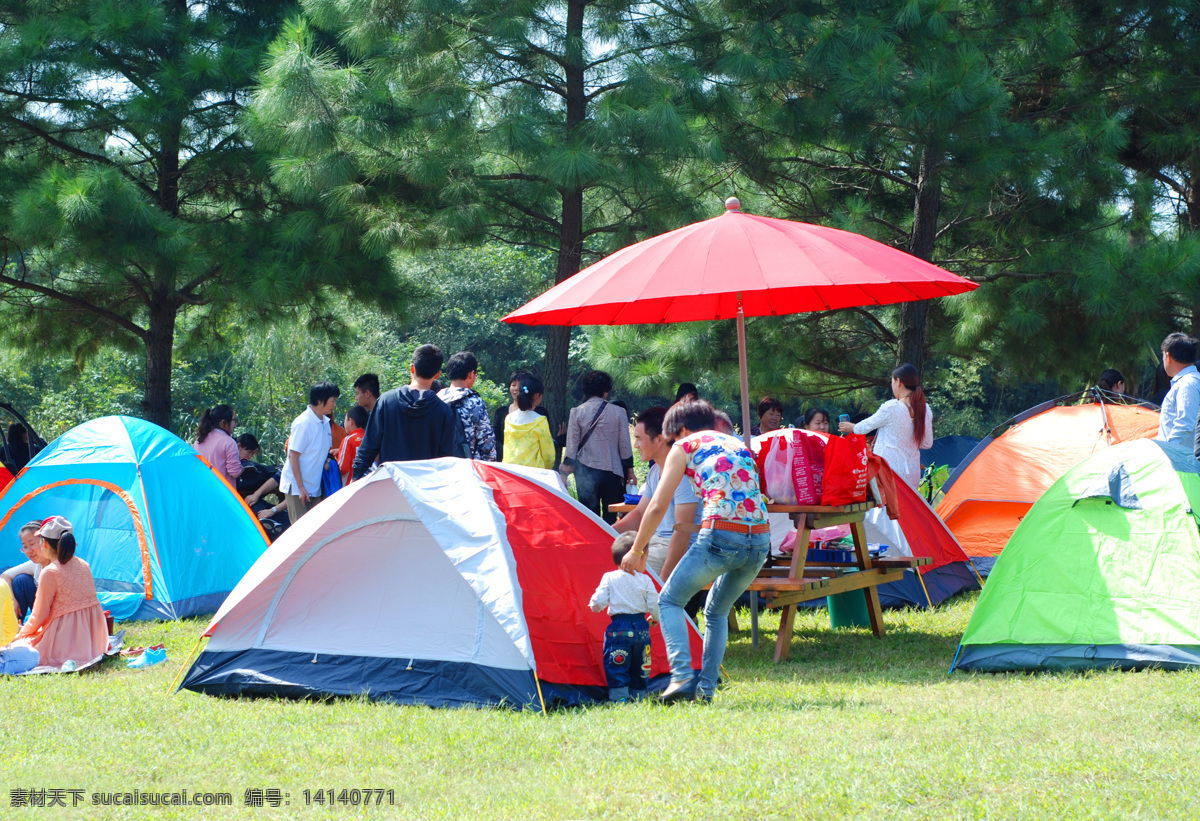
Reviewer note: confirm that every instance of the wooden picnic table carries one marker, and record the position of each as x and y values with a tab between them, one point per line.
787	582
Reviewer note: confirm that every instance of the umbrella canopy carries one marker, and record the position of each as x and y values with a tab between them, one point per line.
771	267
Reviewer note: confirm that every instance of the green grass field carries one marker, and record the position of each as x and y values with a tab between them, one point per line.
852	726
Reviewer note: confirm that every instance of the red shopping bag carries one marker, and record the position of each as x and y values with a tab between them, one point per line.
808	467
815	443
802	476
845	479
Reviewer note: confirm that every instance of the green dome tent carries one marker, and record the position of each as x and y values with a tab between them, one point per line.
1103	572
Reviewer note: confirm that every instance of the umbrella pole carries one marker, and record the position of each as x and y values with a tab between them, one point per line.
744	372
744	369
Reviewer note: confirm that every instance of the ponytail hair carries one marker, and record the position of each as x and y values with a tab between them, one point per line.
529	387
1109	379
211	418
64	546
910	379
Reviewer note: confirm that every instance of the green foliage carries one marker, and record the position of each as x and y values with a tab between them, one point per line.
54	395
264	369
567	126
971	396
997	120
463	293
136	213
1115	302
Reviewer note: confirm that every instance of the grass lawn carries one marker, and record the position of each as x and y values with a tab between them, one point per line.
852	726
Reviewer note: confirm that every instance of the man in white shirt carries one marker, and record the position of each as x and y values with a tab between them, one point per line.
308	448
667	545
22	579
1181	406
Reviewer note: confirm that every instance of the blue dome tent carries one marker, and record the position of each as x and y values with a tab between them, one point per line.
165	536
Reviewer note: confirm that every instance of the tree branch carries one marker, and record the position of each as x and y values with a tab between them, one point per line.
862	167
116	319
184	293
79	152
604	89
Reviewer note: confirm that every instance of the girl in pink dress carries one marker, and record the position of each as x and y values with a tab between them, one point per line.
67	621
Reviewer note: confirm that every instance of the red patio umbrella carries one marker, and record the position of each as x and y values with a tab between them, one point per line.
738	265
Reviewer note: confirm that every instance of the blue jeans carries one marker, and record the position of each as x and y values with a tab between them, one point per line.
627	655
730	561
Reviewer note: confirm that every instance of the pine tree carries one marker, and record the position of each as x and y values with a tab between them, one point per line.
562	126
913	122
1128	84
133	201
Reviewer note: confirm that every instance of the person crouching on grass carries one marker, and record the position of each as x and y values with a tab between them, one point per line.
632	604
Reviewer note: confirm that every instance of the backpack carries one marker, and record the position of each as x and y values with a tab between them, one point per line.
331	478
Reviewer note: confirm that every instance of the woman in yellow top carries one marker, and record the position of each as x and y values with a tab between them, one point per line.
527	433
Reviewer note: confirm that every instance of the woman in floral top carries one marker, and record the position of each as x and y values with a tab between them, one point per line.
729	552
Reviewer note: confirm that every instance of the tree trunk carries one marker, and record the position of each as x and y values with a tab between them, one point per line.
160	337
556	370
914	316
1191	224
570	233
160	345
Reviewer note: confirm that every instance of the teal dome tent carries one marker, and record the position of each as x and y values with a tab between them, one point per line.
165	536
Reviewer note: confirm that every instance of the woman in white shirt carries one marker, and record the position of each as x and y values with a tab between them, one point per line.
903	426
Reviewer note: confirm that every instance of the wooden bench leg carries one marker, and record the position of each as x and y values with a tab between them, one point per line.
783	643
733	625
874	609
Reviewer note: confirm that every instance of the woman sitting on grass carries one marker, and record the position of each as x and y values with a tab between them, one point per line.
526	432
67	623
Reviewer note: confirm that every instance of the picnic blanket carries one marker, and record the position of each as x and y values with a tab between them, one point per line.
114	648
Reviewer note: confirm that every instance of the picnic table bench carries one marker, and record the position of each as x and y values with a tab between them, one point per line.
788	581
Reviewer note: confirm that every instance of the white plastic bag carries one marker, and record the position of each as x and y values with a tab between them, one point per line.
778	468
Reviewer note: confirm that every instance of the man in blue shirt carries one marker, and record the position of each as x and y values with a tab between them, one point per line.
1181	406
668	545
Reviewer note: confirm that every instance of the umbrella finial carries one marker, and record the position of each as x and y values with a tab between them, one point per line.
733	204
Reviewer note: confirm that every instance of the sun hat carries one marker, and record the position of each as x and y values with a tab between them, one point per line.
55	527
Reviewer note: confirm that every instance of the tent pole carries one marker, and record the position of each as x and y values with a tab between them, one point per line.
187	661
745	375
539	689
921	579
975	570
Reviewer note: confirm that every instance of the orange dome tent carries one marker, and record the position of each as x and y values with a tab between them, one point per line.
993	488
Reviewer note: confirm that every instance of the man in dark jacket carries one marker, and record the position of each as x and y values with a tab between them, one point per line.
410	423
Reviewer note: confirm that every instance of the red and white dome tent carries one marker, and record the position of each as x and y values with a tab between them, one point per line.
446	582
